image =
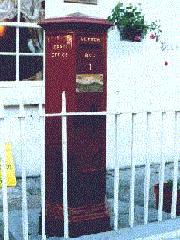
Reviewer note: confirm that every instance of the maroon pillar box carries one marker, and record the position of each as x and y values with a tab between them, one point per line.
76	56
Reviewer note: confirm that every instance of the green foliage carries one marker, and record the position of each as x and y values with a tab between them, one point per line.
130	18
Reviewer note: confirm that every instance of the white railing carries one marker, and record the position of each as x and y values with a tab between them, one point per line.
4	183
22	116
64	115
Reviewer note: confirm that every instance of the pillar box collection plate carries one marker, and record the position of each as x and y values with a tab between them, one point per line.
76	62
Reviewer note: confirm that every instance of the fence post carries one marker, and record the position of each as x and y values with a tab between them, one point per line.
23	160
42	119
132	181
116	181
64	159
162	171
175	174
147	171
4	175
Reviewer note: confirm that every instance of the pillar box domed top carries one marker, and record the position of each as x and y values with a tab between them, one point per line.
76	21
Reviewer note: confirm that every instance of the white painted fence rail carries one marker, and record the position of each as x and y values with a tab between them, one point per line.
117	178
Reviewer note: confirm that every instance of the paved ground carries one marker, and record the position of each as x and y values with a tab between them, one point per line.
34	201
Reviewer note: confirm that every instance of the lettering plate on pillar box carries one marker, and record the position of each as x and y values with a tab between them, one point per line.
76	56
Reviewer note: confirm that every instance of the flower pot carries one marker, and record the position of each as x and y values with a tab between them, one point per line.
167	198
130	34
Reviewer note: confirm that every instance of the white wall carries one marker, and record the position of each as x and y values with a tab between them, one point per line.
59	8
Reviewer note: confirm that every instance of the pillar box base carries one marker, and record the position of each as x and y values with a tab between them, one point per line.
82	221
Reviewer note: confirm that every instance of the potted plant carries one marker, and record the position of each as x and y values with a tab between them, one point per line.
130	22
167	196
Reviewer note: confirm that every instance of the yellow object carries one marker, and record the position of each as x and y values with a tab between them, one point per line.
2	31
10	167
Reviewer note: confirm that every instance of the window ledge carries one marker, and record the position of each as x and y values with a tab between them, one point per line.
14	93
15	84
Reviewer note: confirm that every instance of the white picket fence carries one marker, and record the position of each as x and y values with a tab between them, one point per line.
64	115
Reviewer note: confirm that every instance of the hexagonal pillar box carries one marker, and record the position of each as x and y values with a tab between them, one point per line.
76	56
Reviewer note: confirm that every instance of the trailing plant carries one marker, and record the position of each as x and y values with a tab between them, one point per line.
156	28
130	22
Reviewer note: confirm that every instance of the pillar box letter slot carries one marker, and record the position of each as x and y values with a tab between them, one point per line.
76	63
